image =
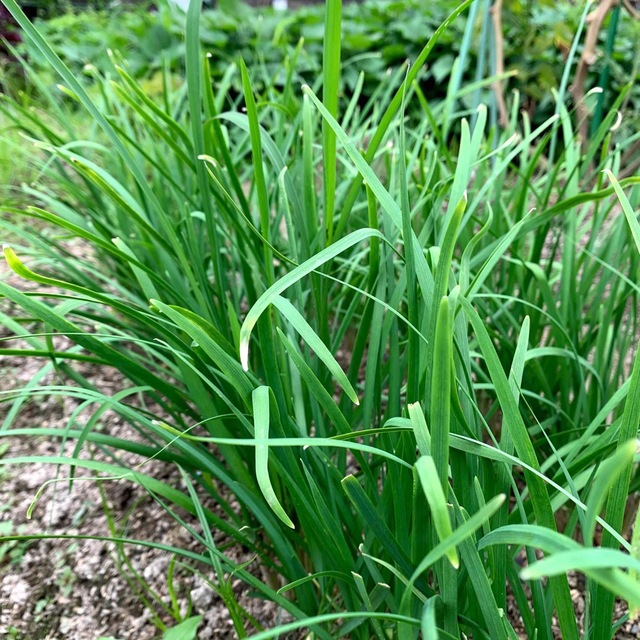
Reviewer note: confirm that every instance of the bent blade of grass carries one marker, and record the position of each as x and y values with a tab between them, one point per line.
368	604
428	620
529	535
372	561
260	399
566	555
483	450
338	575
315	387
582	560
315	343
430	481
464	274
543	218
332	617
299	442
307	267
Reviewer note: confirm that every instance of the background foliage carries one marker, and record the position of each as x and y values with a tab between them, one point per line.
376	35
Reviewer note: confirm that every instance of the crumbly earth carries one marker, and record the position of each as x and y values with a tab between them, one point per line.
75	589
55	589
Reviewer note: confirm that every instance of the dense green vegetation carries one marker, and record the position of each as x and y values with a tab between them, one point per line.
376	35
405	347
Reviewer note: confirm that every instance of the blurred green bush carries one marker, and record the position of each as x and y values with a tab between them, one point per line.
376	35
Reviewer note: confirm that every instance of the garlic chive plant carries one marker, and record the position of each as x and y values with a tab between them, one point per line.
401	338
